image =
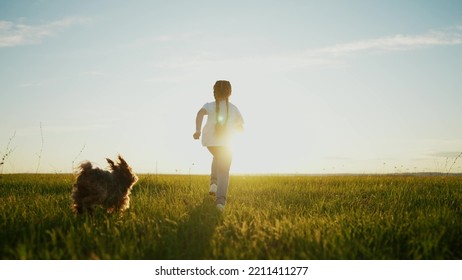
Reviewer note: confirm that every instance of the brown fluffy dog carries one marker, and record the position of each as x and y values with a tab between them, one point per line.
109	189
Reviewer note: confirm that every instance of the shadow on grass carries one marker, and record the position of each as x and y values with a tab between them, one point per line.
191	237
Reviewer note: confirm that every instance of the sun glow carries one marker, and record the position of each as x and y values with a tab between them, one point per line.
302	134
275	138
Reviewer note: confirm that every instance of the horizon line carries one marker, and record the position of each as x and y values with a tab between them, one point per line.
429	173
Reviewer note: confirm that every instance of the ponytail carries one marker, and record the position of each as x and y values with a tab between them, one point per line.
221	90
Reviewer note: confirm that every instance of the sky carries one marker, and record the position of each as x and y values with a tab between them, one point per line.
323	86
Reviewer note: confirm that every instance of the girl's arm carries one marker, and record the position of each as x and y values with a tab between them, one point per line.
200	116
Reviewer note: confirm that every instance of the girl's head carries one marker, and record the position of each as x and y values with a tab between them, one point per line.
222	90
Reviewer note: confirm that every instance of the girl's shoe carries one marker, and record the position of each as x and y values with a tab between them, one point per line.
213	189
220	207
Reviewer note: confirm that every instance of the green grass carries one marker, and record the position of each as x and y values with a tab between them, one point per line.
267	217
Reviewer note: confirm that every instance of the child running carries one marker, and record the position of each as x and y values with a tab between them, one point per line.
223	119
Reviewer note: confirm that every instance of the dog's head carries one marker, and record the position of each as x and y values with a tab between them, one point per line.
123	171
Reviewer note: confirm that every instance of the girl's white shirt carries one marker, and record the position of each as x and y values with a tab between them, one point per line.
235	121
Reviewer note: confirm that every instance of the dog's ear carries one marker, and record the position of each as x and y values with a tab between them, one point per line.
111	163
122	161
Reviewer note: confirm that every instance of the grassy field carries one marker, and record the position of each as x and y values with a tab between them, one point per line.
267	217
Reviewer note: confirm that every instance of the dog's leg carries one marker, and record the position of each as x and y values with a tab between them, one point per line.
90	201
78	209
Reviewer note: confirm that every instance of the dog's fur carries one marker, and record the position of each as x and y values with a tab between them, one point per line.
109	189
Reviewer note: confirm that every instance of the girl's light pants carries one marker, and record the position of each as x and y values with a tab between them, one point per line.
221	164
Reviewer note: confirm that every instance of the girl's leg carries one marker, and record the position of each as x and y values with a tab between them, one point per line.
214	171
222	159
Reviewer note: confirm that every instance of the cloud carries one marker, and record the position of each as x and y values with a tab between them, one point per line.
18	34
30	84
150	41
167	38
95	73
332	56
397	42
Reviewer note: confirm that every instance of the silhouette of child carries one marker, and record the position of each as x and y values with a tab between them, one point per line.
223	119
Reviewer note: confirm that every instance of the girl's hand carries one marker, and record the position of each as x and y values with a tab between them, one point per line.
197	135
